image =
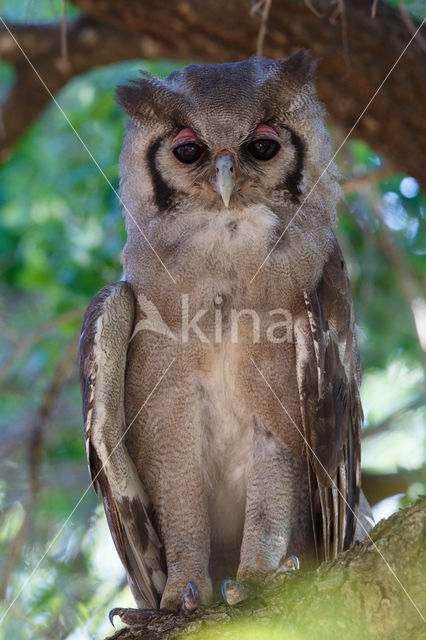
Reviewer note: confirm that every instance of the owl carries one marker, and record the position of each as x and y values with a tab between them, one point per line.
220	377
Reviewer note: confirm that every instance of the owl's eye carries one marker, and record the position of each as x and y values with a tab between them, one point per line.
188	153
263	148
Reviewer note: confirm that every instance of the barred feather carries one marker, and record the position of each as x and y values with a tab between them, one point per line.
327	373
105	334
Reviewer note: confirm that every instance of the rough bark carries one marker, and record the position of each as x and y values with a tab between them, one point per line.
90	44
223	30
375	590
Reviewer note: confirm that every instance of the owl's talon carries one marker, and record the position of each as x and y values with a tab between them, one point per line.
234	592
111	615
291	563
288	567
128	616
131	616
189	599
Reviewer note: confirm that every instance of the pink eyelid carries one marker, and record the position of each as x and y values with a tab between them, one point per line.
263	129
185	134
188	134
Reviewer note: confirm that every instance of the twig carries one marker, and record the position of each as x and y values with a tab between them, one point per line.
41	421
374	9
345	40
256	7
315	11
411	26
64	38
366	179
266	7
27	341
60	375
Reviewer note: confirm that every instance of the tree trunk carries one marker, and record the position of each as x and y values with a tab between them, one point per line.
356	53
374	590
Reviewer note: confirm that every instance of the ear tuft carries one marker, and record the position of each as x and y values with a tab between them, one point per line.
149	98
133	97
293	80
301	66
128	97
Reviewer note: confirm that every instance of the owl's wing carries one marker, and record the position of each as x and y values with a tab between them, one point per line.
328	375
102	352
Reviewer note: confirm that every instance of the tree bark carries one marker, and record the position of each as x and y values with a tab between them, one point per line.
87	48
374	590
356	53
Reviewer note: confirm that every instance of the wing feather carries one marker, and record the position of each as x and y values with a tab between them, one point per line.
104	339
328	375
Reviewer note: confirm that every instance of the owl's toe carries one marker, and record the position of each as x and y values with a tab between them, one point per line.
117	611
129	616
291	563
252	581
190	598
234	592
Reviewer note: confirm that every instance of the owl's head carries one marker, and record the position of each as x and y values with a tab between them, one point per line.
227	135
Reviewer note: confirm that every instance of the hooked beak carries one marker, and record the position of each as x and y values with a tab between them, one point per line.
225	176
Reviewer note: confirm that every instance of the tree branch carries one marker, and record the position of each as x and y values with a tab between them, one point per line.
378	486
90	43
25	342
223	30
349	185
374	590
35	443
414	403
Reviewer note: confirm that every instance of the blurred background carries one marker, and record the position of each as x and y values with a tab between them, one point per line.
61	235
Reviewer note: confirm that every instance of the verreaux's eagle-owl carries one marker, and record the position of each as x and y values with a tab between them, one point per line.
220	376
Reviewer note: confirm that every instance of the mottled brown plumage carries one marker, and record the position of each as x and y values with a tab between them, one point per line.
220	377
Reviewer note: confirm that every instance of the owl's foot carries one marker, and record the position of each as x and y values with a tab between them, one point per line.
235	591
184	597
190	598
291	563
132	617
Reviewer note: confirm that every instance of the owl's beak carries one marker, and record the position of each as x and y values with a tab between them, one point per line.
225	176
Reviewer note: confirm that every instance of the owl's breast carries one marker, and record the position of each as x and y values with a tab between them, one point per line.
227	441
206	243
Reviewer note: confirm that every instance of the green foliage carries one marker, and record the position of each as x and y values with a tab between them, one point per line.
36	10
414	7
61	236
